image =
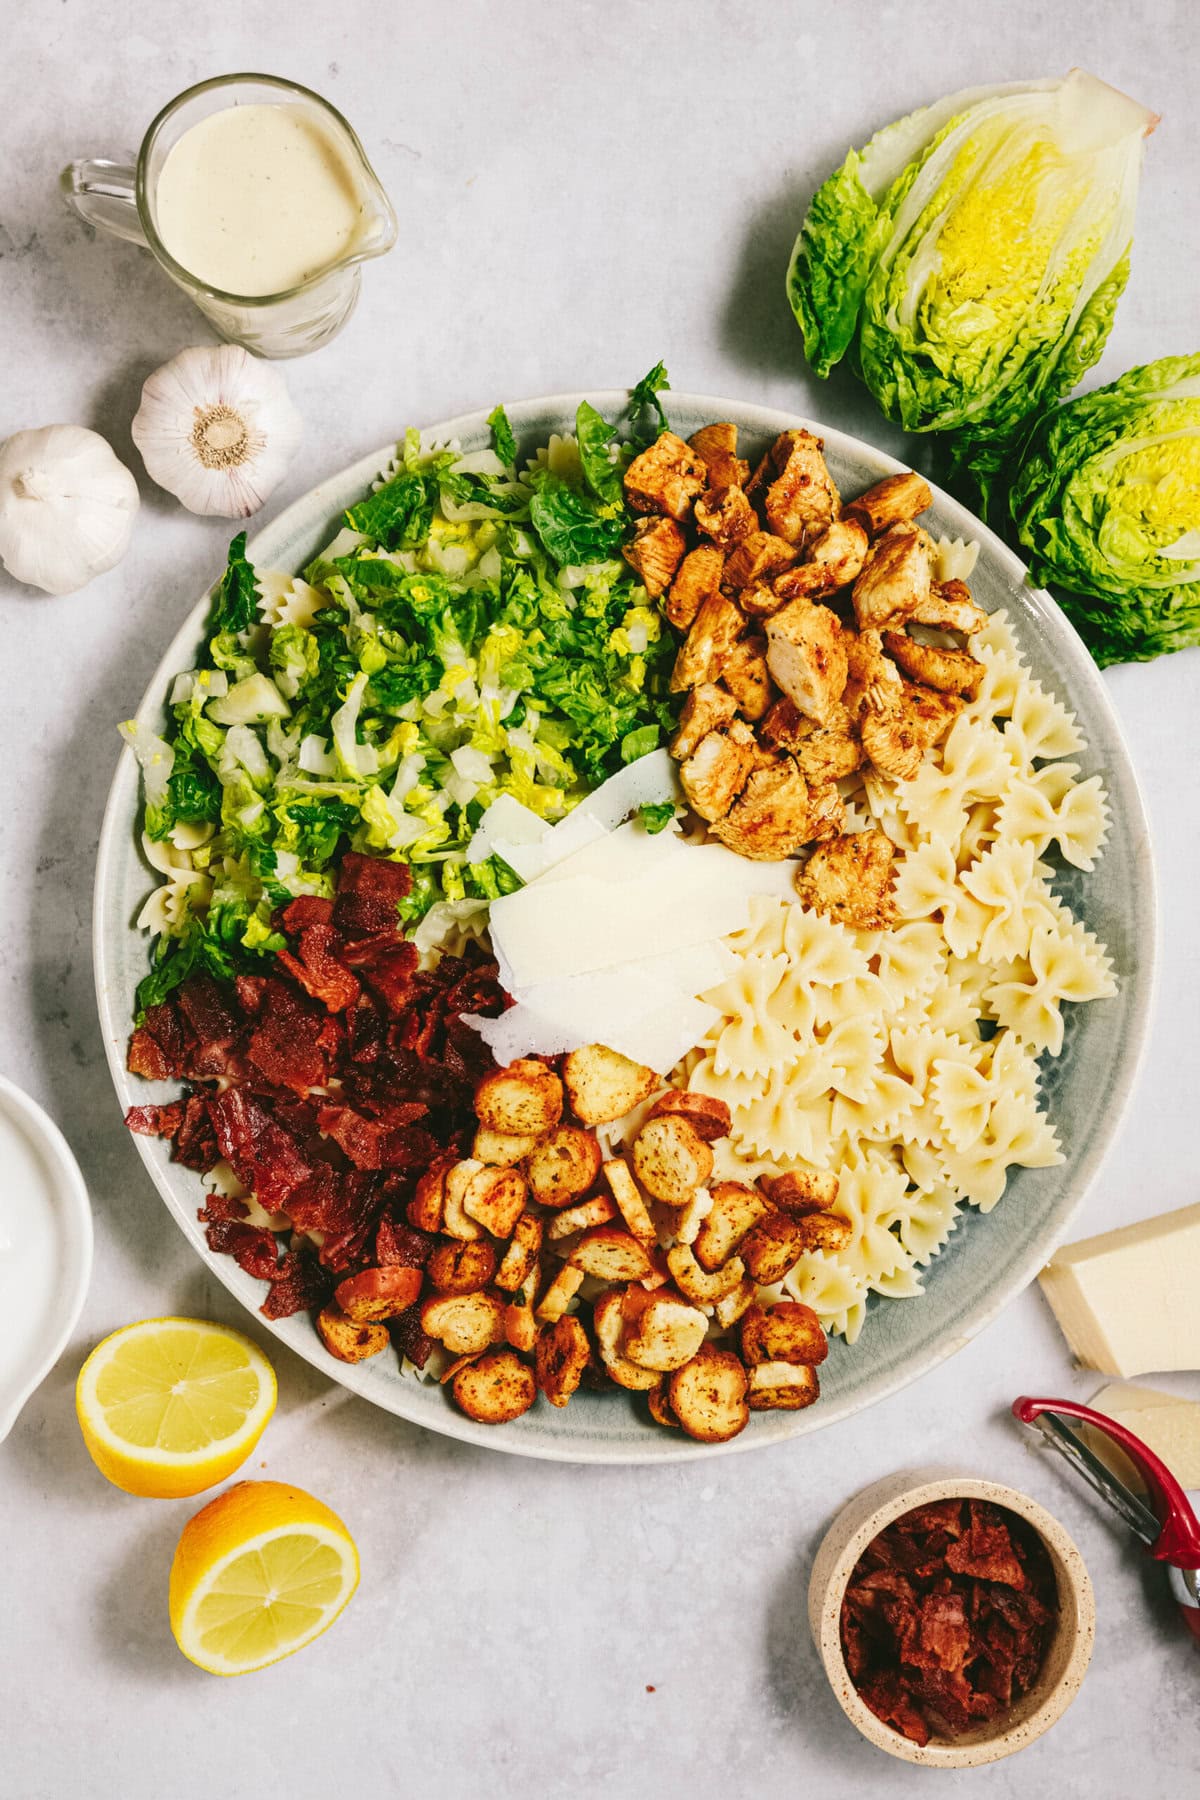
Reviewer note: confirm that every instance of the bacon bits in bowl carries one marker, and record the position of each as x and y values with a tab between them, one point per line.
954	1617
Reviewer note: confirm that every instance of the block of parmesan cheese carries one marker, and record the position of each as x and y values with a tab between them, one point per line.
1128	1301
1168	1424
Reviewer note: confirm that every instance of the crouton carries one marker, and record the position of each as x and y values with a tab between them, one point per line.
523	1100
629	1201
696	1284
460	1362
708	1117
725	515
782	1387
776	812
716	446
559	1295
735	1210
832	561
707	708
698	579
806	655
522	1253
463	1322
456	1221
730	1309
951	671
520	1327
495	1198
950	608
772	1247
496	1389
757	559
714	631
347	1339
427	1205
563	1166
691	1215
787	1332
562	1354
658	1399
891	501
378	1293
458	1268
708	1396
665	1334
849	879
670	1159
801	1191
611	1254
802	500
602	1085
656	552
745	673
666	478
596	1211
822	1231
500	1148
718	769
896	578
609	1320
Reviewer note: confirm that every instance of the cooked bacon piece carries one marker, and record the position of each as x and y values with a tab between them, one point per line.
698	580
196	1144
300	1285
666	478
155	1121
409	1339
214	1027
146	1057
264	1157
285	1045
253	1247
655	553
319	969
305	910
401	1245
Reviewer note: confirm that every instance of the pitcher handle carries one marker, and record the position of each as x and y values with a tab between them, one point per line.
103	193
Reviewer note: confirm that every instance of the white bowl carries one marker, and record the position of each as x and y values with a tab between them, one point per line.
989	1258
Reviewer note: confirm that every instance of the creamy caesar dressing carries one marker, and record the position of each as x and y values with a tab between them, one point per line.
31	1260
255	199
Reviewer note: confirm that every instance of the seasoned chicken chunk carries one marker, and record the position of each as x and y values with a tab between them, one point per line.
849	878
756	559
896	579
951	671
950	608
707	708
833	561
656	552
896	737
807	657
744	672
666	478
761	600
715	630
824	753
716	772
873	682
725	515
716	445
777	813
894	498
698	580
802	500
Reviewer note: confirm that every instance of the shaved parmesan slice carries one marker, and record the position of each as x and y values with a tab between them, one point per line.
559	842
505	819
647	782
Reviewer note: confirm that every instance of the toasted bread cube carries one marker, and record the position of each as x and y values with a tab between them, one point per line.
658	1398
770	1249
561	1355
496	1389
460	1362
596	1211
666	478
655	553
691	1215
496	1198
520	1326
696	1284
500	1148
824	1231
782	1387
559	1295
708	1396
708	1117
602	1085
523	1100
698	580
801	1191
426	1207
378	1293
464	1322
670	1159
895	498
563	1166
787	1332
611	1255
460	1268
735	1210
519	1259
629	1201
729	1310
456	1221
665	1334
610	1315
347	1339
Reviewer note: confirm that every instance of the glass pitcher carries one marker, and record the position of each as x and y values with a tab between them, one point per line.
120	196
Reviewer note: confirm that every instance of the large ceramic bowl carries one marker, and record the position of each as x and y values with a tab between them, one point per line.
990	1258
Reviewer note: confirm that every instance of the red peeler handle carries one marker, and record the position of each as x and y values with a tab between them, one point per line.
1178	1542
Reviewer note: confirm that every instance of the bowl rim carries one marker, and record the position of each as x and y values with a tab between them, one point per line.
859	1522
1071	654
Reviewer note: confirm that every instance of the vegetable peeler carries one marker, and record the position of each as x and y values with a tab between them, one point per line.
1164	1520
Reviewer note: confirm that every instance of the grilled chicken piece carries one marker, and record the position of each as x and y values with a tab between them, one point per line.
655	553
777	813
756	559
802	500
666	478
834	561
707	708
716	445
850	880
824	753
745	674
716	772
698	580
895	498
951	608
761	600
896	580
896	737
951	671
715	630
725	515
873	683
806	654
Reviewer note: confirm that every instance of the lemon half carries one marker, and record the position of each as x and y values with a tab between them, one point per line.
258	1573
169	1407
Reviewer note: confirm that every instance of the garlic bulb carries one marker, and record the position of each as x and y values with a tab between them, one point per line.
216	429
66	507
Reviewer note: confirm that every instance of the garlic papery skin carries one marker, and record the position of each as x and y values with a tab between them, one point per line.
67	506
216	429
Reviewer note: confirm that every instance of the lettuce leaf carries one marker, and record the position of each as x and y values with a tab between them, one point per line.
503	441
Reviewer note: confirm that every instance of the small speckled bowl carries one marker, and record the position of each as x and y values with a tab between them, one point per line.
1067	1657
